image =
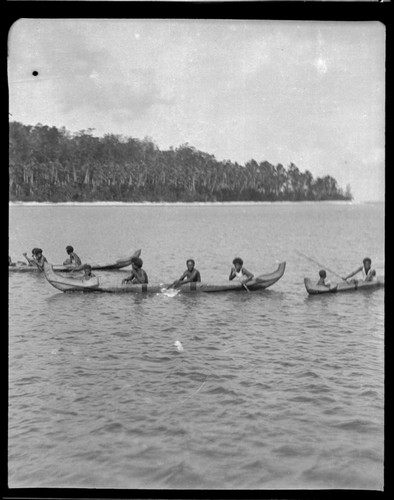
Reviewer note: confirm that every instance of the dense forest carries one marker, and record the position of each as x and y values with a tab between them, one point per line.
51	164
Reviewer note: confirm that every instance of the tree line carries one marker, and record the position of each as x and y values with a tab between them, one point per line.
52	164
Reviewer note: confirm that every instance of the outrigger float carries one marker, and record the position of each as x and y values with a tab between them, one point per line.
350	286
68	284
111	266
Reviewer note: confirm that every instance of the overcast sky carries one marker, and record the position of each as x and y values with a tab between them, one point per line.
311	93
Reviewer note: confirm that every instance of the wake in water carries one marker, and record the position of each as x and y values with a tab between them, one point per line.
169	292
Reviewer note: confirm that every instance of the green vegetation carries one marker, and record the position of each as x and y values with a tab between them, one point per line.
51	164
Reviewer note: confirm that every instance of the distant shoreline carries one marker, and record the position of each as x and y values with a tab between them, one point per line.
181	203
51	164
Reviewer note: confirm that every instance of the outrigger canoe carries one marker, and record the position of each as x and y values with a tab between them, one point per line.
66	284
118	264
343	287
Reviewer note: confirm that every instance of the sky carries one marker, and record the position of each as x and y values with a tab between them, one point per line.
307	92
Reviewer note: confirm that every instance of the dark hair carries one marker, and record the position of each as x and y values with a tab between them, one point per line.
322	273
35	250
87	266
238	260
190	260
137	261
69	249
367	259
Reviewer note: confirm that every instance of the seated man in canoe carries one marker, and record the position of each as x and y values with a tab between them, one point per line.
88	275
31	261
87	268
368	273
323	280
138	275
239	271
73	258
18	263
38	258
190	275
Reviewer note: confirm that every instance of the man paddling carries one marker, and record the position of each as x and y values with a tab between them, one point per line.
138	275
239	271
38	258
73	258
190	275
323	280
368	273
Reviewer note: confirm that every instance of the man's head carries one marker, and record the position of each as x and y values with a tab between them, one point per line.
190	264
238	263
136	262
88	269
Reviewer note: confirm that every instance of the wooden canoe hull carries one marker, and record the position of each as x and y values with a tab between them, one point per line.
71	285
313	289
65	283
118	264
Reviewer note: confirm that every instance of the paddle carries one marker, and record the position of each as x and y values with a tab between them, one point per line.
181	281
244	285
321	265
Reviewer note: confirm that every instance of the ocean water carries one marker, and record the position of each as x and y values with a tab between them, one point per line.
272	389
